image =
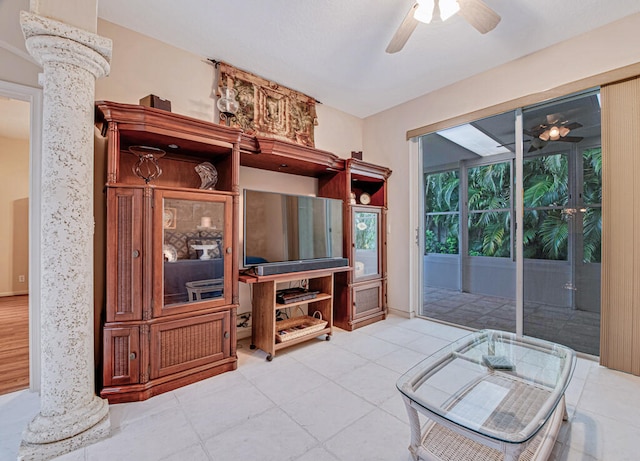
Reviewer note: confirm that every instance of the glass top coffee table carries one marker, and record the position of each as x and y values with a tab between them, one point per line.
488	396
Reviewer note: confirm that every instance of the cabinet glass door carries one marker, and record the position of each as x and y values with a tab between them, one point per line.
195	236
366	243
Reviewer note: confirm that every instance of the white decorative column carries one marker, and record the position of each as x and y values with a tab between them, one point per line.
71	415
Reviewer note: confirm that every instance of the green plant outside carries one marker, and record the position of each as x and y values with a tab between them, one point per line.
489	198
442	205
546	215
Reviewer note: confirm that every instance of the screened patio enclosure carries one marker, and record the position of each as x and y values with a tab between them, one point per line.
483	271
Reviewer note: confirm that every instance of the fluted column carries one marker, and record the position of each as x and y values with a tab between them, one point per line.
71	415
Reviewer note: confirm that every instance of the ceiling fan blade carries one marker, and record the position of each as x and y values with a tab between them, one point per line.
571	139
479	15
404	31
534	133
573	125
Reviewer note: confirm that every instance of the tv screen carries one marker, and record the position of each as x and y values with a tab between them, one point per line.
286	228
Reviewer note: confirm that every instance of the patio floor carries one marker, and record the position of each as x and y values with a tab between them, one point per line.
577	329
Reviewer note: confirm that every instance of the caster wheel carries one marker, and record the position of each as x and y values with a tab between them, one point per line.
252	346
328	338
269	358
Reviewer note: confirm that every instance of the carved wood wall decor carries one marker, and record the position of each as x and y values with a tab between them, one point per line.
268	109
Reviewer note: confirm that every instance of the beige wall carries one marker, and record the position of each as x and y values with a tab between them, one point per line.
142	65
17	66
14	210
78	13
384	138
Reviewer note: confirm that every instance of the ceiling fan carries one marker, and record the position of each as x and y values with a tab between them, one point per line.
553	130
475	12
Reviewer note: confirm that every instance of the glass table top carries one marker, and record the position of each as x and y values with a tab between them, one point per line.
493	383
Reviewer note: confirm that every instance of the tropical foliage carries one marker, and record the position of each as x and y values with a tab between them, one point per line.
442	205
489	199
592	195
547	213
546	194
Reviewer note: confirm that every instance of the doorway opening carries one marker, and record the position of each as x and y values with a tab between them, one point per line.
14	244
20	145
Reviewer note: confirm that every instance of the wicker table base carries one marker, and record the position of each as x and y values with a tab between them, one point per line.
443	441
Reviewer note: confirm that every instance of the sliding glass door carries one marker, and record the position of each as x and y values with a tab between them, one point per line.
469	268
470	221
562	222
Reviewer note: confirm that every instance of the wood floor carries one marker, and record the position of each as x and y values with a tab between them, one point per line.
14	343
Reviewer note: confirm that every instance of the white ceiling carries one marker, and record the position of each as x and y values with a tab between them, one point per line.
333	50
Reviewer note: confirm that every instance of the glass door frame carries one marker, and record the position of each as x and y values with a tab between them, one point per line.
418	225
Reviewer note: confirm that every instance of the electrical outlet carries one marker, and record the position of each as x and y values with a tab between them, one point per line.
21	278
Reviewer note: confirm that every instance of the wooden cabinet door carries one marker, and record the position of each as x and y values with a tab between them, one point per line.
124	254
121	356
366	253
367	299
192	251
185	344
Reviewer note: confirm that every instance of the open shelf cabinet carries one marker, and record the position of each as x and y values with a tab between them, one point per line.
264	326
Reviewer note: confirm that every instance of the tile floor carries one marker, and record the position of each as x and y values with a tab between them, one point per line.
577	329
326	401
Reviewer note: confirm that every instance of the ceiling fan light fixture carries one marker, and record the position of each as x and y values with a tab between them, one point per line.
448	8
544	135
424	11
564	131
554	133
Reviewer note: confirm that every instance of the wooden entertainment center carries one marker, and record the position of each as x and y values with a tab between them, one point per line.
172	248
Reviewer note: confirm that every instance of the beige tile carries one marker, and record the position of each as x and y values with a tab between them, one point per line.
373	382
370	347
331	361
326	401
271	436
289	382
317	454
377	436
213	412
327	410
193	453
157	436
401	360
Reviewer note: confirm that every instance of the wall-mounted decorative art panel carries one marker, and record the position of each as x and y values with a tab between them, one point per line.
269	109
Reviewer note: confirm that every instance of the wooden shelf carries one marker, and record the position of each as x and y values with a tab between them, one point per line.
303	339
285	157
264	326
320	297
289	276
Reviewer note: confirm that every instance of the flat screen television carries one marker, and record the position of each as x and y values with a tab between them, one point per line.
288	233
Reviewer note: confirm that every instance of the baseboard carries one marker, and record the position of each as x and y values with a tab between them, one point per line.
242	333
14	293
399	313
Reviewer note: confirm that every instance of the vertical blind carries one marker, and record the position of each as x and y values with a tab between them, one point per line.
620	322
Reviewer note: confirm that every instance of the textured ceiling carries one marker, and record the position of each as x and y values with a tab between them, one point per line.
333	50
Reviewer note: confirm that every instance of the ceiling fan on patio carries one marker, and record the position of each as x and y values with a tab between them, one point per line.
553	130
475	12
